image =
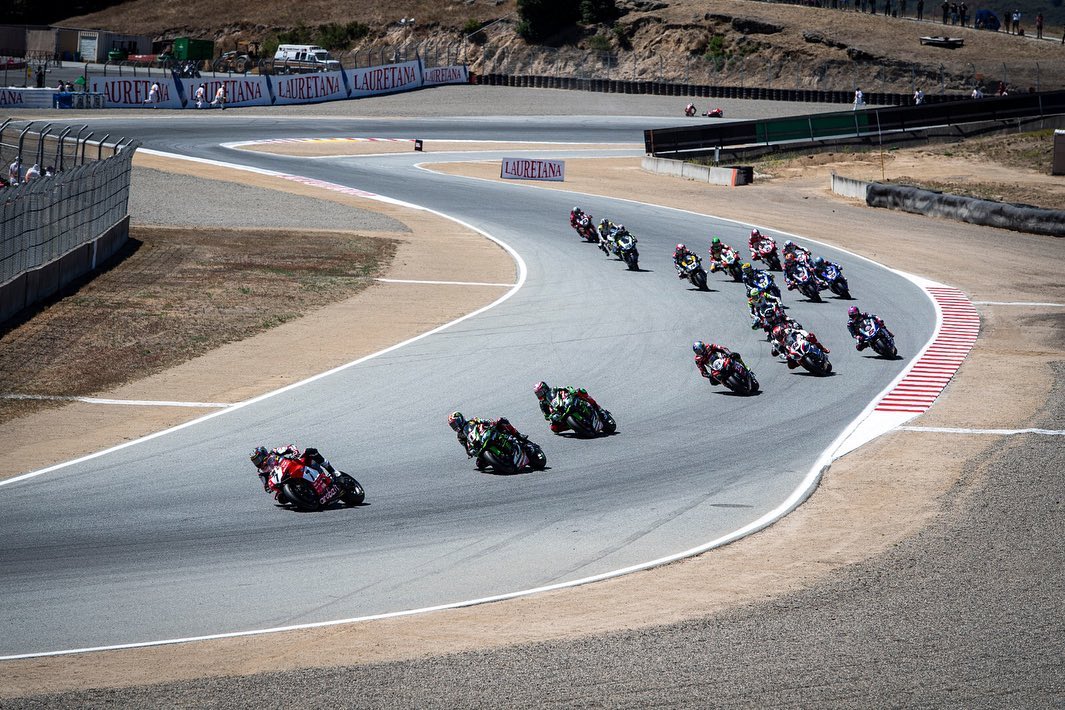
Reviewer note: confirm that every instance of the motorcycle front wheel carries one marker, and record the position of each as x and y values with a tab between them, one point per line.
299	494
354	494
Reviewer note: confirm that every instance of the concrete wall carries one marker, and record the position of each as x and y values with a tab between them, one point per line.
849	187
38	284
691	171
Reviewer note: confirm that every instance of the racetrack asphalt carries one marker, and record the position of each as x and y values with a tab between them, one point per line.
154	549
965	614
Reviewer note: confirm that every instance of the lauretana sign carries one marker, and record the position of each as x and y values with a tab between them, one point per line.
532	169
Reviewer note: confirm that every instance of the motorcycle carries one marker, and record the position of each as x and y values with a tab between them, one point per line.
730	262
802	278
766	251
714	113
308	487
505	453
763	281
878	337
832	276
810	356
580	416
606	242
586	230
626	250
692	268
733	374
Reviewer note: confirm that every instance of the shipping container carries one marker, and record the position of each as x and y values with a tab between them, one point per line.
195	49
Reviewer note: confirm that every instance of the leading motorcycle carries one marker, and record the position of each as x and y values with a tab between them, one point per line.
729	262
765	250
626	249
308	487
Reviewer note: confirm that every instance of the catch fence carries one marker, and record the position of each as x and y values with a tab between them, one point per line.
44	220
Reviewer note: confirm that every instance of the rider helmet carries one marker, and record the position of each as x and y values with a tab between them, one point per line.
699	347
752	292
259	456
680	248
819	261
755	233
715	240
778	332
541	390
456	421
788	244
853	312
746	266
577	209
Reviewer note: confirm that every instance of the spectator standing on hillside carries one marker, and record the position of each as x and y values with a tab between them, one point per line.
859	99
1039	26
1006	20
963	10
977	93
920	9
1016	21
945	7
902	8
918	97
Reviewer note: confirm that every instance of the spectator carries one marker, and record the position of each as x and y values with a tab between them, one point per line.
902	8
60	86
1006	20
69	87
33	173
153	95
220	96
920	9
201	96
14	172
1016	21
1039	26
945	7
40	77
49	171
954	13
887	8
963	10
918	97
977	93
1001	91
859	99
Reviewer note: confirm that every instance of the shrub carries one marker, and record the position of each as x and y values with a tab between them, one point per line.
600	43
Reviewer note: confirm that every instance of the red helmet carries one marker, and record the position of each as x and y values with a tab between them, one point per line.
755	233
541	389
778	332
853	312
680	247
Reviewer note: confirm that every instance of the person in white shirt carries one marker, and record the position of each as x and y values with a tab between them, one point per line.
918	97
201	96
33	173
220	97
859	99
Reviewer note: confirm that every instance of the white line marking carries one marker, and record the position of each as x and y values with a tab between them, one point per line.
1018	303
999	432
131	402
442	283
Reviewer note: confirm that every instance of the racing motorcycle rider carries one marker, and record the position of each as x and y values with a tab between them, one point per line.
716	249
606	231
471	431
854	321
751	274
755	242
819	265
269	461
546	395
784	339
801	253
760	304
706	354
576	215
615	237
679	255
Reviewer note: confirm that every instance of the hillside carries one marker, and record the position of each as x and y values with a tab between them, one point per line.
731	42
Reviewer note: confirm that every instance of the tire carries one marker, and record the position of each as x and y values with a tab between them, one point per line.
699	280
773	262
497	465
609	425
579	428
813	294
537	458
633	262
354	494
299	494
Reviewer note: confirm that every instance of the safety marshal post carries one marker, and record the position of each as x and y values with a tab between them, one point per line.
533	169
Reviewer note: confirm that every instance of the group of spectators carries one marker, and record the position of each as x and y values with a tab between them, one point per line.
15	175
200	96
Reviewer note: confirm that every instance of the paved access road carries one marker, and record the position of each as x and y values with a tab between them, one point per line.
173	537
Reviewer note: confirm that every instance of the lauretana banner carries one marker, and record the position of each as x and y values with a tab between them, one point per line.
532	169
384	80
446	75
308	88
249	90
136	92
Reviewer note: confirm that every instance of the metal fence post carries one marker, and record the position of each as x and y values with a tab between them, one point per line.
60	153
100	147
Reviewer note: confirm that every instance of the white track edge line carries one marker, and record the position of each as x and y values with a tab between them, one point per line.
999	432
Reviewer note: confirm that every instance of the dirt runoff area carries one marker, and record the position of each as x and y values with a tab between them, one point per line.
867	501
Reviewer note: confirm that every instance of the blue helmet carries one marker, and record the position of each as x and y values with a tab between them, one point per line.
698	347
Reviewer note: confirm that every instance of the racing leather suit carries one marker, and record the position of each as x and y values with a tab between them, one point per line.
554	417
856	333
702	362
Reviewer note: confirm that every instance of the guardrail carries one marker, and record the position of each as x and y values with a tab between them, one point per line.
691	141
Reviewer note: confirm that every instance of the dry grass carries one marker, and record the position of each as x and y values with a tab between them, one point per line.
174	295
